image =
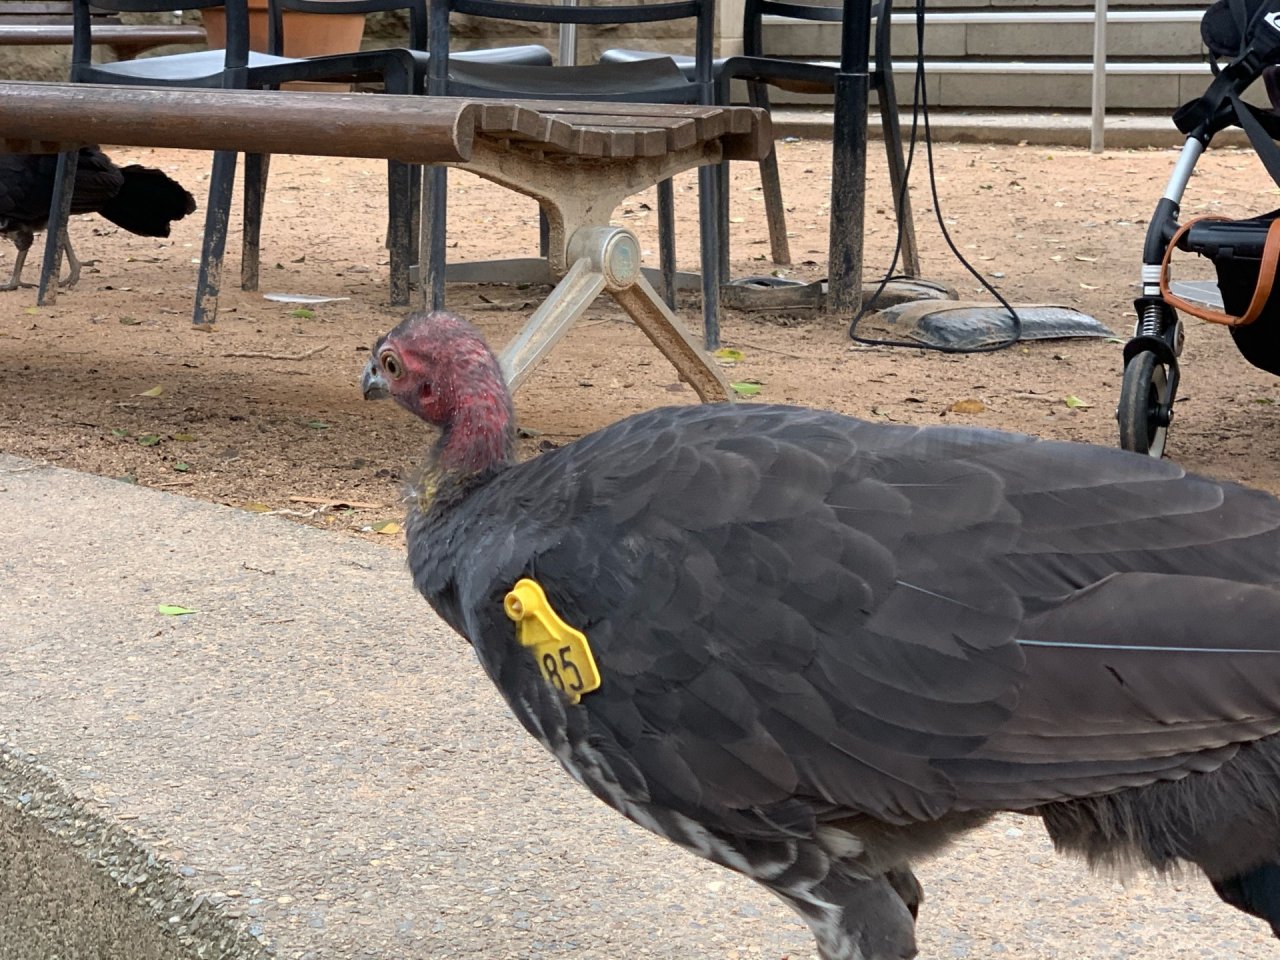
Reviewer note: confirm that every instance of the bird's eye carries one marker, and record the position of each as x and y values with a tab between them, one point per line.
391	364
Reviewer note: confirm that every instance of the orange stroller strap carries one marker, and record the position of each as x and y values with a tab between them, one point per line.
1261	292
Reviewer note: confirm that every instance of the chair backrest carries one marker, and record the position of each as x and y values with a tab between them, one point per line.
588	12
754	12
85	14
417	10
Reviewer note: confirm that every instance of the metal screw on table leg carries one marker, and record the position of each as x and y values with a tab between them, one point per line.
613	251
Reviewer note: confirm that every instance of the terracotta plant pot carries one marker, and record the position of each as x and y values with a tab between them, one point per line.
305	35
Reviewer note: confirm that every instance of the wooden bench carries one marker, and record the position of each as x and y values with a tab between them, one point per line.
48	22
580	160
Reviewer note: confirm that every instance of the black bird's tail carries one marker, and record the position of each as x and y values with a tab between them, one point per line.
1256	892
148	202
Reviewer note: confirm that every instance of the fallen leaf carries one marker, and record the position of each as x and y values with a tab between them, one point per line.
149	439
728	353
317	425
119	433
1086	259
253	506
182	466
969	405
302	313
1075	403
745	388
130	321
387	527
171	610
156	391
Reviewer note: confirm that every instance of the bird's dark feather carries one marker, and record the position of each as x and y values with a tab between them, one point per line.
139	199
792	605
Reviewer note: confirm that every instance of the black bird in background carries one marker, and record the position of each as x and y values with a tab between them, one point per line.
813	649
139	199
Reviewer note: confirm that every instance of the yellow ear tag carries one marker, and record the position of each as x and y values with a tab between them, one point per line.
563	654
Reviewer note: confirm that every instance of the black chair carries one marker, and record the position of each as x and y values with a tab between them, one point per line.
237	67
657	80
760	71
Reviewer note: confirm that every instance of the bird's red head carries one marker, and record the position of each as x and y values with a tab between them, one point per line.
437	366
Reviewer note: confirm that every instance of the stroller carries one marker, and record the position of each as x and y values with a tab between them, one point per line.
1244	252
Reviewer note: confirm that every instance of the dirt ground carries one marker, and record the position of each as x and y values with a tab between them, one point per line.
265	413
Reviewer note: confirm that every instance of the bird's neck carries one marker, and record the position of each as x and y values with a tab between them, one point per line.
477	442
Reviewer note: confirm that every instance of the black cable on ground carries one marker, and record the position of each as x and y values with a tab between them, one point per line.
920	108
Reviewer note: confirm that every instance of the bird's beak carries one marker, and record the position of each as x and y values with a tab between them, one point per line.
373	383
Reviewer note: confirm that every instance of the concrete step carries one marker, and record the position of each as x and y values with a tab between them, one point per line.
1060	128
1155	58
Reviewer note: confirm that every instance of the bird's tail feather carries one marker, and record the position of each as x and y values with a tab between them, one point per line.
148	202
1256	892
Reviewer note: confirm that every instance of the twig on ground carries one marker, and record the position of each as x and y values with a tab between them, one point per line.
263	355
329	502
781	353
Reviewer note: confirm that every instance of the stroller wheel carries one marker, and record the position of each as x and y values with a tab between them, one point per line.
1146	405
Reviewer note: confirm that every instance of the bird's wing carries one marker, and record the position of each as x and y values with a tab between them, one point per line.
26	186
791	607
1151	599
97	181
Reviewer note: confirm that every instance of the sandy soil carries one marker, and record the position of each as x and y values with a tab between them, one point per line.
264	413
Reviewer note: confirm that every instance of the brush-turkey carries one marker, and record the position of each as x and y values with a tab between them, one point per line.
139	199
814	649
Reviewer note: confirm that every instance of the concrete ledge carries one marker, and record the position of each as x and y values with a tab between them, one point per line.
75	885
1122	131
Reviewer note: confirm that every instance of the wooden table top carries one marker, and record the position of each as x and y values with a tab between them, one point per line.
48	117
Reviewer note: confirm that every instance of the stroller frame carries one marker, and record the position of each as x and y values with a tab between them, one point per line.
1151	372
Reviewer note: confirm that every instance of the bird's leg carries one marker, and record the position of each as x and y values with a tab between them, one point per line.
15	279
906	885
861	918
73	277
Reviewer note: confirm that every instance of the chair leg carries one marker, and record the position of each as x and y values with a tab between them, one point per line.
64	179
400	228
416	173
221	184
432	251
709	236
256	168
774	211
883	84
722	212
667	241
771	185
